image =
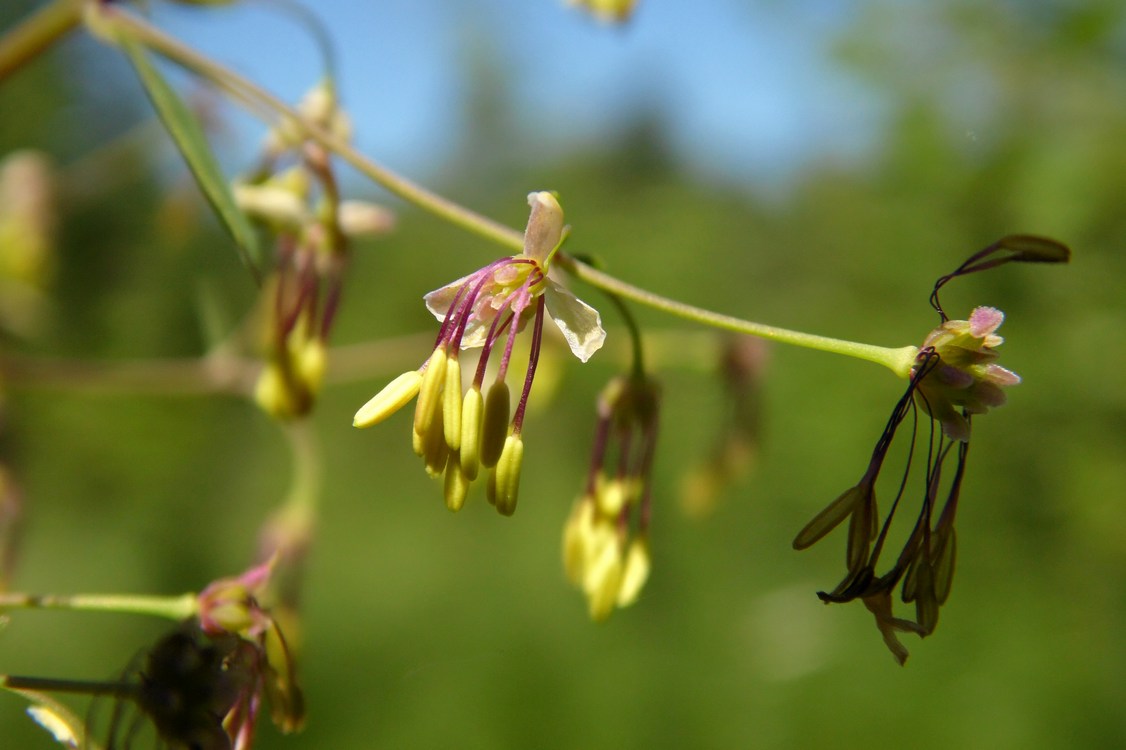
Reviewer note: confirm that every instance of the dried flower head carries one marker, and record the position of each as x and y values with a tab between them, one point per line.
954	377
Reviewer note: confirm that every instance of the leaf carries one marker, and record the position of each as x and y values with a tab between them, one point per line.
185	130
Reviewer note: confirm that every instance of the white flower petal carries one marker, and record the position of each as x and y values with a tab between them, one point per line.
438	301
545	226
580	323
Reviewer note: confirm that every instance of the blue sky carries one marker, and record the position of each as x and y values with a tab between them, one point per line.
748	89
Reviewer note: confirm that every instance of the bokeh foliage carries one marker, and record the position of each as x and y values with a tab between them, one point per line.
425	629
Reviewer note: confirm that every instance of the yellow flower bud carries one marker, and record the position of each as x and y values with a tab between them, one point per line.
363	219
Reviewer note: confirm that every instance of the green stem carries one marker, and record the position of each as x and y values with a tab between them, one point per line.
112	22
898	360
289	532
638	366
36	33
172	607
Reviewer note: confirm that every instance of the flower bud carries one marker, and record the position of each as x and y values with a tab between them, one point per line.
278	207
363	219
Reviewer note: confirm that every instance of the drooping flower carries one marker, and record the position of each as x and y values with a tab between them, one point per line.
606	539
954	377
294	196
458	431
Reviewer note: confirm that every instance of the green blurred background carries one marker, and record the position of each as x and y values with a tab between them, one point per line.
428	629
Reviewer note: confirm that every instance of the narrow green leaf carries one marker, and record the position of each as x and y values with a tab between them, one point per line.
185	130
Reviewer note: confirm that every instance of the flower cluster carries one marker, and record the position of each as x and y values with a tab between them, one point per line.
301	207
606	539
233	607
460	432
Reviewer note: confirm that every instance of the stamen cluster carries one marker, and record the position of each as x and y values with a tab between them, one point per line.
301	208
606	539
460	432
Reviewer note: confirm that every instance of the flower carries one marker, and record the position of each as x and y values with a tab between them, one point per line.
458	432
606	538
300	207
511	284
239	607
954	377
965	378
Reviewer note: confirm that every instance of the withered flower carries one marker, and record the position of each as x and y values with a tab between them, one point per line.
954	378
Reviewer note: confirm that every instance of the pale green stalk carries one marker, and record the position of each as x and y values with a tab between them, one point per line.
113	22
36	33
172	607
898	360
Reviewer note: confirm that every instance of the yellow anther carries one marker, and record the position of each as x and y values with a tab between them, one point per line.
472	407
430	392
394	396
456	485
508	474
451	403
494	429
635	573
